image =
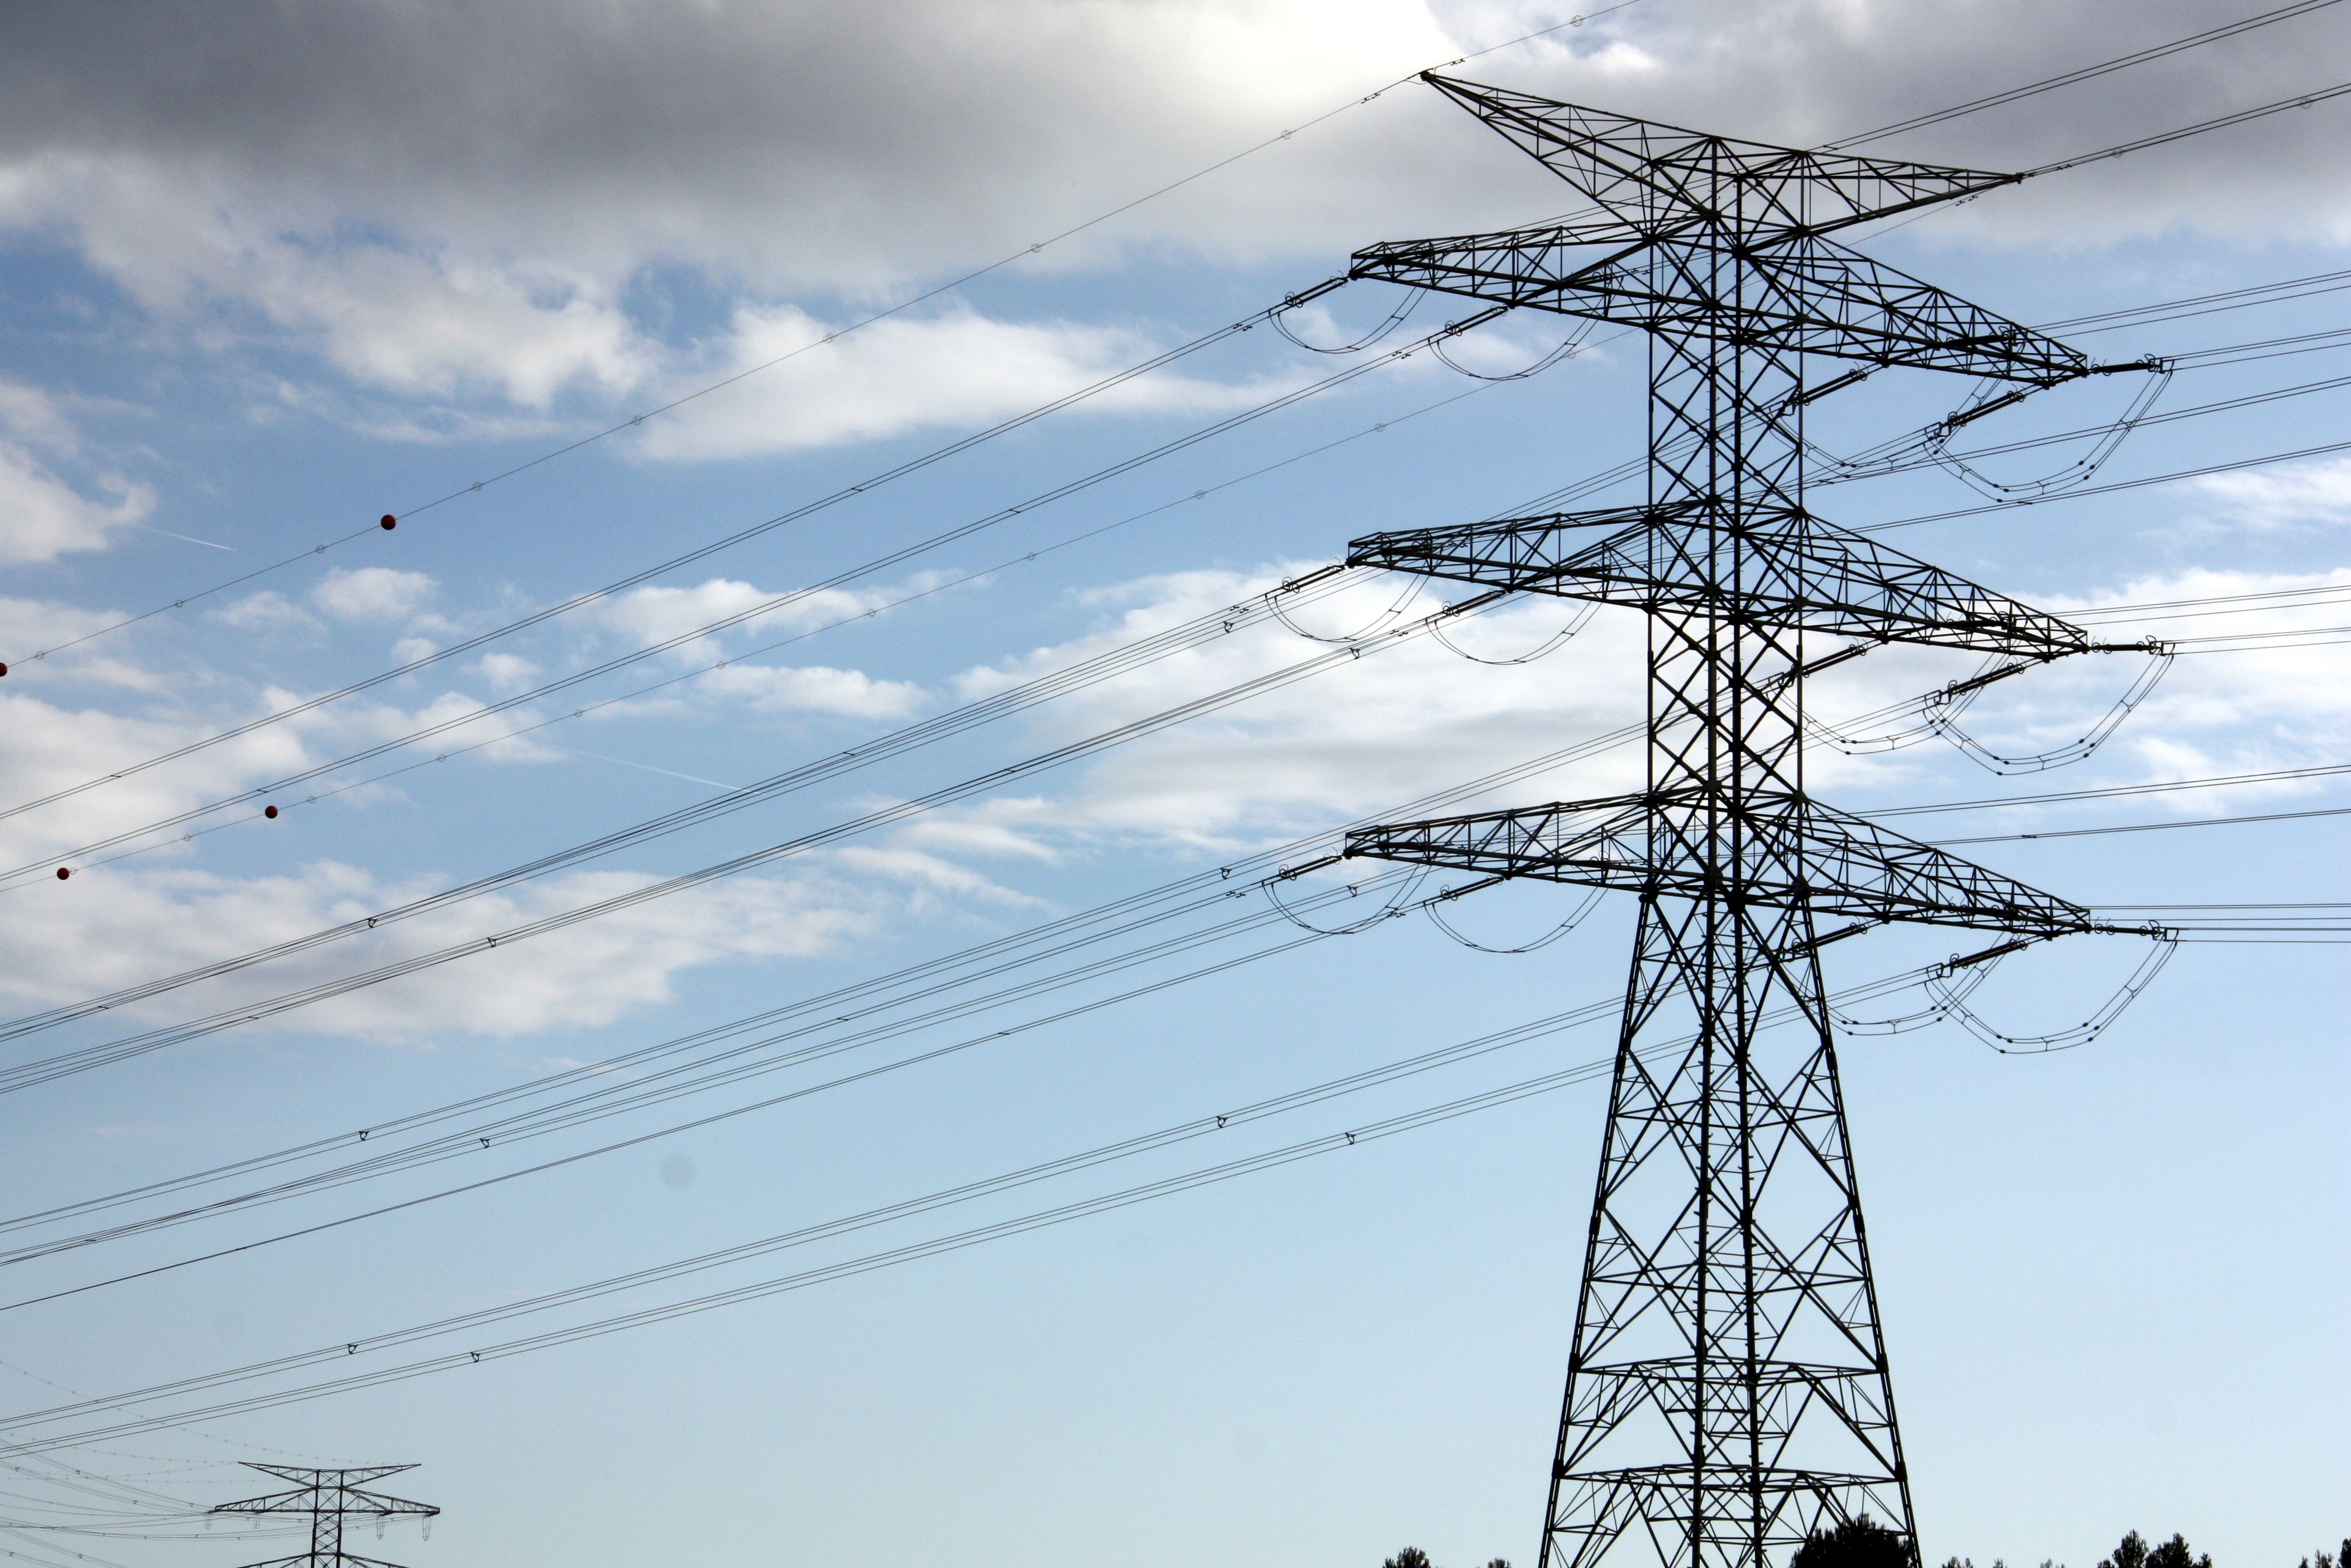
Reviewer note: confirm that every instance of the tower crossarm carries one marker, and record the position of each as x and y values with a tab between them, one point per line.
1647	176
1794	571
342	1485
1802	294
329	1498
1787	854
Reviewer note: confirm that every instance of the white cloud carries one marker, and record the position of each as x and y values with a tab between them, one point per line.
42	515
37	418
1372	732
266	610
941	883
655	614
31	626
646	616
63	747
905	374
504	672
373	594
439	326
59	748
1414	718
2302	495
814	688
103	931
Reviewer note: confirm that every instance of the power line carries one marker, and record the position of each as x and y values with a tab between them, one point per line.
2281	292
26	1074
1863	468
75	856
919	1058
637	420
2221	122
2111	791
78	856
1197	632
795	515
2087	73
911	465
2110	489
1188	1131
43	1070
952	448
612	1098
1121	916
2148	826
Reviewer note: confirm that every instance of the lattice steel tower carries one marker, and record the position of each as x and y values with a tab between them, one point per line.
329	1497
1728	1389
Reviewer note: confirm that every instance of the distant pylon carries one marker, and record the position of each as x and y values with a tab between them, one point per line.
329	1497
1728	1390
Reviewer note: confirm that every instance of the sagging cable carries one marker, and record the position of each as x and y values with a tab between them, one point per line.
1932	444
1950	995
1378	623
1948	701
1938	437
1431	908
1395	319
1974	970
1397	904
1567	347
1550	644
1943	711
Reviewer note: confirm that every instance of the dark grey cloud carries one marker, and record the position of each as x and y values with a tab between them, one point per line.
441	193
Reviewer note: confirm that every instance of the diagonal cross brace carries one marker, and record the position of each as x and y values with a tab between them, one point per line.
1804	294
1647	175
329	1498
1795	572
1790	855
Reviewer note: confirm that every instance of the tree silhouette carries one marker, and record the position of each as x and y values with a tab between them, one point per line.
2131	1553
1860	1542
1414	1557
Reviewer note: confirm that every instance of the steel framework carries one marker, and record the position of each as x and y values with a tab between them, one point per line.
1728	1389
329	1497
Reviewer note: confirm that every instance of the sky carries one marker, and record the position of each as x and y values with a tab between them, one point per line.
660	329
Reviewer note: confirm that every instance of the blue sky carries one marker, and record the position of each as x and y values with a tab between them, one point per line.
271	276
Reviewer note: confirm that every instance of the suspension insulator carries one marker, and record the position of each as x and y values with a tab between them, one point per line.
269	812
387	522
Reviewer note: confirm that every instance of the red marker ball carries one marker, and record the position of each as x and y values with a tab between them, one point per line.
3	669
63	874
387	522
270	810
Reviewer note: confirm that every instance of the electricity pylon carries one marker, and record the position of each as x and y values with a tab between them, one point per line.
329	1497
1728	1389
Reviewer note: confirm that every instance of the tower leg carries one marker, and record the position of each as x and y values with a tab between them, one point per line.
1728	1389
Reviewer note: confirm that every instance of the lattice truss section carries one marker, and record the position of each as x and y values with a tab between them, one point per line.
328	1498
1727	1385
